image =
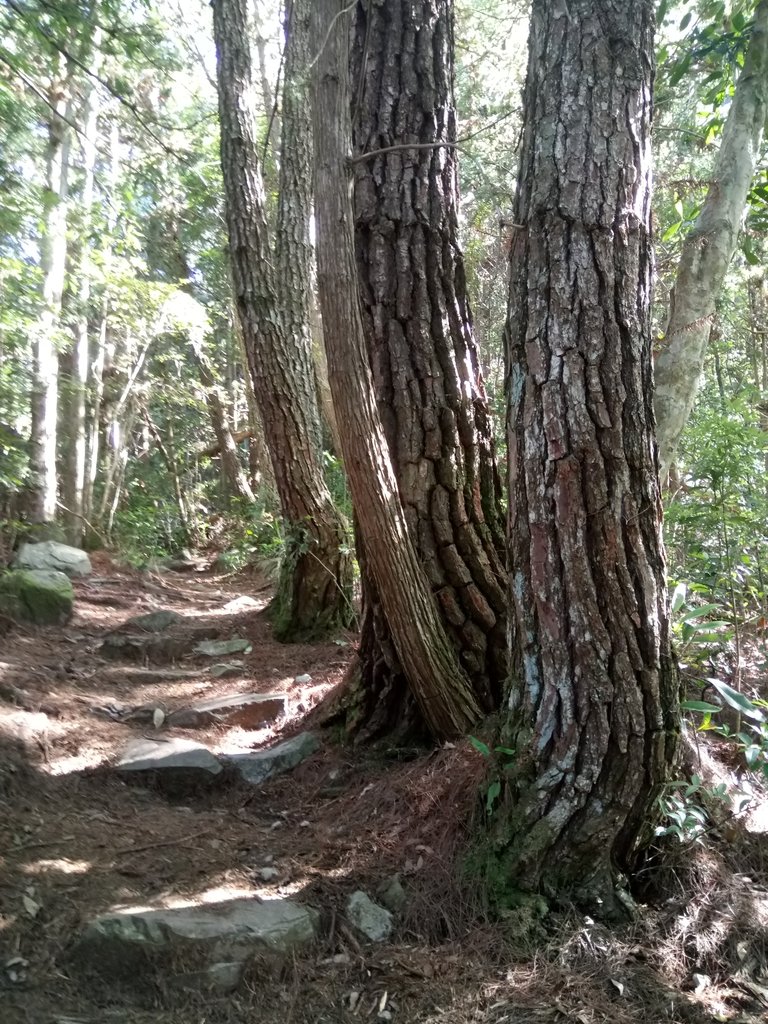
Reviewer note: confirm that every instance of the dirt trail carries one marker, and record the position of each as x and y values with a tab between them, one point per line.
76	840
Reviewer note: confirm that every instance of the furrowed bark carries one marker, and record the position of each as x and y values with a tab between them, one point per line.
593	709
313	596
420	339
438	684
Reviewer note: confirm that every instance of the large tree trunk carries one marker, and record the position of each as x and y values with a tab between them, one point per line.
418	327
594	702
53	257
435	678
709	247
313	596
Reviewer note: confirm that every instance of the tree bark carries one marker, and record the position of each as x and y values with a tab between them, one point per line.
313	596
418	328
438	684
53	256
593	708
709	247
74	435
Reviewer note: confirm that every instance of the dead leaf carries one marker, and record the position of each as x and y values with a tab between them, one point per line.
158	717
31	906
618	985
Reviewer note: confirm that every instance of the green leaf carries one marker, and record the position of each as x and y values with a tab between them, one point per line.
661	12
480	747
492	796
737	700
505	750
696	613
686	21
678	597
699	705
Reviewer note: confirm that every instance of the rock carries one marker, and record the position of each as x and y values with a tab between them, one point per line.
227	669
220	648
51	555
153	622
255	768
248	710
216	938
129	675
392	894
224	977
152	647
303	680
42	596
268	874
175	764
371	920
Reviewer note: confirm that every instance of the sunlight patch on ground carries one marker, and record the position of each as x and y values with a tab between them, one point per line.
60	864
218	895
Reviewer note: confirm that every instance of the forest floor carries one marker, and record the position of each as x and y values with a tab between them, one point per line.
76	841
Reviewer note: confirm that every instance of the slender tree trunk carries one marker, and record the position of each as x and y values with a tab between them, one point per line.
313	596
709	247
98	350
53	256
236	482
593	708
74	442
420	339
440	687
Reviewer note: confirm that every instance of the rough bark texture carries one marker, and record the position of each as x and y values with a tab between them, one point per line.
593	708
314	589
709	247
440	687
418	326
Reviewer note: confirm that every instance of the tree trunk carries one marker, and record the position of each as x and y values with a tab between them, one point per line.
313	596
418	328
709	247
74	419
53	256
440	687
593	708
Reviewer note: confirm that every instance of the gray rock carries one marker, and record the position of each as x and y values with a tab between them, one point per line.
227	669
220	648
42	596
215	938
303	680
371	920
153	622
392	894
268	874
224	977
171	755
52	555
248	710
255	768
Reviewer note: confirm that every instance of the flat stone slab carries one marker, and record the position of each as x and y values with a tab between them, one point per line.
171	755
228	669
214	938
51	555
159	648
255	768
220	648
248	710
